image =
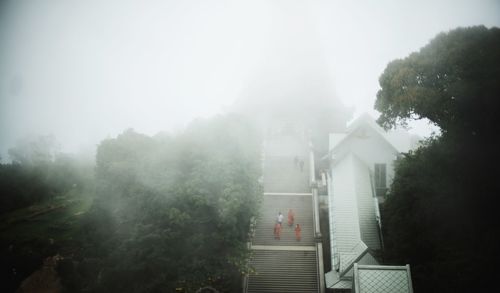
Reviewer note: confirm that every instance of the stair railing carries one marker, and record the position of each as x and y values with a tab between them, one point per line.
377	208
317	230
312	176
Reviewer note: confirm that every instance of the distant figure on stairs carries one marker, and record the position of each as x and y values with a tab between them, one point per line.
301	165
277	231
298	230
279	218
291	217
296	161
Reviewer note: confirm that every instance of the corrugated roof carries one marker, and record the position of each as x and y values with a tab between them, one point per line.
353	210
344	206
368	225
352	215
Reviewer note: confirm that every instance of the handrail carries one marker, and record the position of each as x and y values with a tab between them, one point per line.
377	209
317	230
374	192
312	175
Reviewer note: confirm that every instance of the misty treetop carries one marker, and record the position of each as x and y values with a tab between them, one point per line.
174	211
454	81
38	172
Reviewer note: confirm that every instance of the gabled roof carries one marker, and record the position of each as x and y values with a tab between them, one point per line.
399	140
365	118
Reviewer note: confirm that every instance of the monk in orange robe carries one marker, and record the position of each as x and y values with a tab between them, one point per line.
277	231
298	231
291	217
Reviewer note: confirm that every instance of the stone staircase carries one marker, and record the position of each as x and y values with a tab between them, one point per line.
284	265
301	205
284	271
281	175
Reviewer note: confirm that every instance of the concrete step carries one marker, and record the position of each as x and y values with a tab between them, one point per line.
282	175
272	204
287	237
283	271
279	268
286	146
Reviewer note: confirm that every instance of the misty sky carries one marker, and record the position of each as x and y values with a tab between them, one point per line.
83	70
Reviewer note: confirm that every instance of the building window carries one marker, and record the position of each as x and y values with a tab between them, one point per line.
380	179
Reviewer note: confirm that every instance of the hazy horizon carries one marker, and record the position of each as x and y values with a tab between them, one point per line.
84	70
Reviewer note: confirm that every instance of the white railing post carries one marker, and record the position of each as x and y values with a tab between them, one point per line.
377	208
312	176
317	228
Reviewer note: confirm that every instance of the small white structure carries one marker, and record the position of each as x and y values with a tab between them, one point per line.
382	279
360	170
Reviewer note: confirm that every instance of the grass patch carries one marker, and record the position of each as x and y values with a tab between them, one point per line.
50	219
30	234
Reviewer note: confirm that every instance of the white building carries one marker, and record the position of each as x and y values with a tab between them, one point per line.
361	167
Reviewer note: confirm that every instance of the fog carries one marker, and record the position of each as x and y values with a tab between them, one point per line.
85	70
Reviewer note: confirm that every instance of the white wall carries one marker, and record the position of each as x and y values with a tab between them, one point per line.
371	149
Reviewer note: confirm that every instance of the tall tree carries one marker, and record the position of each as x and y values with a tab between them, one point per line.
173	212
440	214
32	151
454	82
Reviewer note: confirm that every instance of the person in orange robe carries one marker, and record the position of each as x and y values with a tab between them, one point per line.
277	231
297	232
291	217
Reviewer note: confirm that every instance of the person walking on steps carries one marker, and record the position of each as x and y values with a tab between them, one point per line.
298	231
291	217
279	218
296	161
301	165
277	231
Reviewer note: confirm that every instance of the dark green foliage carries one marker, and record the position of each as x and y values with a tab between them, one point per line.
169	211
31	234
24	184
454	81
34	151
173	212
20	187
440	215
438	218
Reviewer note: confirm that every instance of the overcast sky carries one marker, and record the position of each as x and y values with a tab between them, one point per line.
83	70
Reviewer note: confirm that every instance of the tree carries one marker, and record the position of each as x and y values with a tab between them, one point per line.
432	220
32	151
440	213
454	81
173	213
38	172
